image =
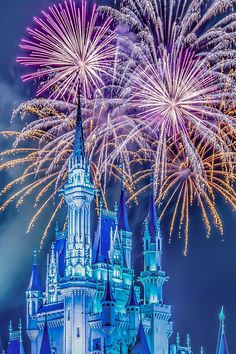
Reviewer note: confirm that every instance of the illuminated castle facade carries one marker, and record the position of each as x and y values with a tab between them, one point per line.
91	302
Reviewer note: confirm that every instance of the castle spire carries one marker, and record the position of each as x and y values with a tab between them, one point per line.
79	149
132	299
152	219
123	223
34	284
141	343
45	344
222	347
108	294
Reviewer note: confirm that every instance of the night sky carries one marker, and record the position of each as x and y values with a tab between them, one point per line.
199	283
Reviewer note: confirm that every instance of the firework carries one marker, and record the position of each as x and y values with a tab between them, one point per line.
179	93
68	48
185	74
179	193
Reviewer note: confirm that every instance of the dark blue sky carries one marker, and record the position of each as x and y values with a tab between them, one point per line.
199	283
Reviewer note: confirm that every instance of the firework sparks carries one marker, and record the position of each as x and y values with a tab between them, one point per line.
109	135
68	48
185	76
179	193
179	93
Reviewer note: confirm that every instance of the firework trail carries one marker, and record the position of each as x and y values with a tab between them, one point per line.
68	48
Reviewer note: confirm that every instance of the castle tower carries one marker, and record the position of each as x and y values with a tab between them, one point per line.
222	347
153	279
33	302
77	287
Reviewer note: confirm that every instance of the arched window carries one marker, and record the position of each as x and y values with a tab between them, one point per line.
159	244
68	314
78	332
33	308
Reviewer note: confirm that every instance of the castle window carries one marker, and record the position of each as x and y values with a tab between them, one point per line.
68	314
146	244
78	332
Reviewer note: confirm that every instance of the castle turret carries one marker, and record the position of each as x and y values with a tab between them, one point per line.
108	308
33	303
153	279
222	347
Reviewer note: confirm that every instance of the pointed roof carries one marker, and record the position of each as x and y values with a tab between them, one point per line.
79	149
108	294
45	344
222	347
132	299
152	219
141	343
123	223
34	284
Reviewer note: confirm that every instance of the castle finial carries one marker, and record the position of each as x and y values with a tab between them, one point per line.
20	329
35	254
10	328
188	341
222	319
116	213
178	340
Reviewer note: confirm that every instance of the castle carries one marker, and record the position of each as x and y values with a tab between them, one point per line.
91	302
